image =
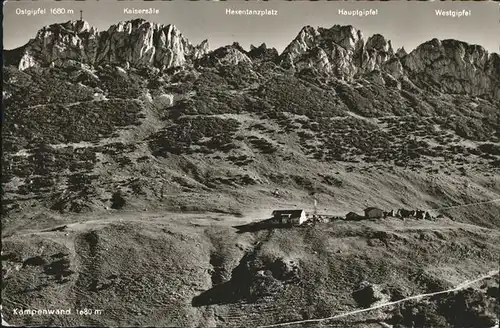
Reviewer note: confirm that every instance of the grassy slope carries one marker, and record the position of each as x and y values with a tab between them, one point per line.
169	260
146	270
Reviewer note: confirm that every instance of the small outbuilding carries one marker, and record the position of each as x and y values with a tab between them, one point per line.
351	216
289	217
374	213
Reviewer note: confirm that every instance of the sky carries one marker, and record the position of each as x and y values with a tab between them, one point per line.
406	24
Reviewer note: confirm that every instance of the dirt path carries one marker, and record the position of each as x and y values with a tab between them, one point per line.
69	104
463	285
82	223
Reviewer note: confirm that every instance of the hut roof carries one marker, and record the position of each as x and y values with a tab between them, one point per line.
291	213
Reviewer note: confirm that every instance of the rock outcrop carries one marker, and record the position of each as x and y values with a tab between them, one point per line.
263	53
368	294
340	50
448	66
455	67
132	43
73	40
228	55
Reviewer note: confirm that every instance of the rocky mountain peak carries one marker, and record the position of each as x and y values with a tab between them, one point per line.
401	52
455	67
307	31
228	55
345	36
451	66
340	50
263	46
68	28
236	45
262	52
446	65
136	43
201	50
378	42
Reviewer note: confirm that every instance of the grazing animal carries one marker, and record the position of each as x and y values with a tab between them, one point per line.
419	214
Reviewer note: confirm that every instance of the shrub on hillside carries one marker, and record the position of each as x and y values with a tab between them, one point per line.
119	85
471	128
117	200
211	132
36	86
80	122
489	148
289	94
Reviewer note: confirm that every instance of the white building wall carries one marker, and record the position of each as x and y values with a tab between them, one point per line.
303	217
